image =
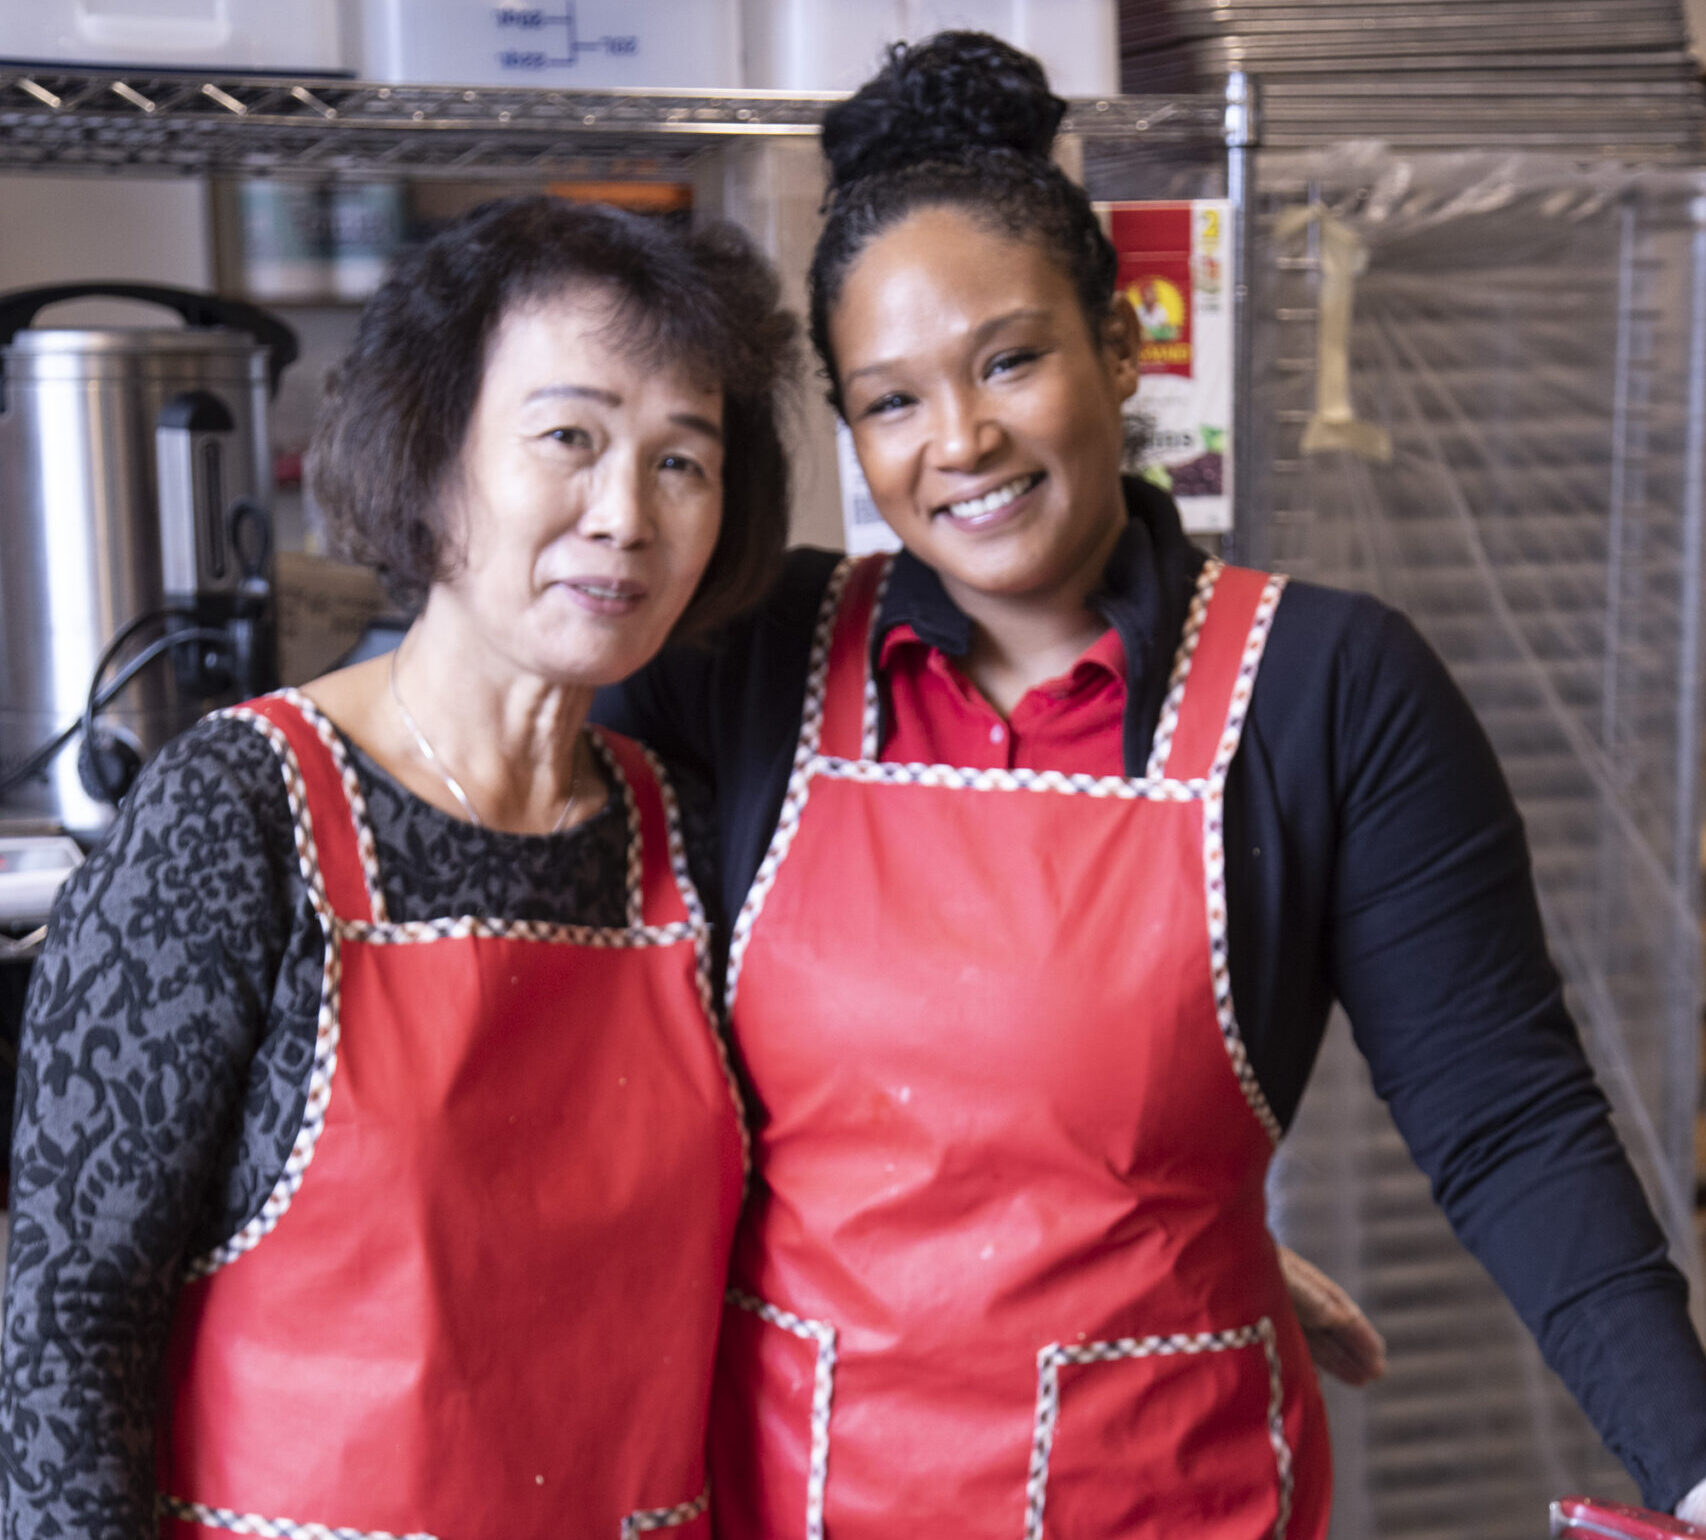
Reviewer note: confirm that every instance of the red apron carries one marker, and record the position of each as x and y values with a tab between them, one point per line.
483	1299
1007	1270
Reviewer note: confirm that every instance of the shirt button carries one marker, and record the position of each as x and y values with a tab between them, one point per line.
997	733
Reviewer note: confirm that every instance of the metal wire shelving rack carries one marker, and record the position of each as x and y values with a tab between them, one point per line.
157	123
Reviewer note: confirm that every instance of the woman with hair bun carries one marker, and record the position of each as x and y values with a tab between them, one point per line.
1050	842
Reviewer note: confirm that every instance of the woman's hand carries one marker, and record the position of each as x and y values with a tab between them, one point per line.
1342	1340
1692	1509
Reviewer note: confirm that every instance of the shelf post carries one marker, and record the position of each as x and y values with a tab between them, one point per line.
1243	138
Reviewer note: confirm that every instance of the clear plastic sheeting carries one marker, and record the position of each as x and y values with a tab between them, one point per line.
1530	336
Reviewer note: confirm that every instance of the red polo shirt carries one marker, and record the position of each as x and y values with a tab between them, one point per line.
938	717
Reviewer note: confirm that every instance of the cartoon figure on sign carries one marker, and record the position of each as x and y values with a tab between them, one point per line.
1160	309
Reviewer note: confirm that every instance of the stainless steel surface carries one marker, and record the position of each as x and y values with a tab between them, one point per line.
33	868
1602	79
1691	575
1243	135
80	531
67	120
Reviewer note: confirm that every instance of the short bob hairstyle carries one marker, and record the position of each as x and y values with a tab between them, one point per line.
388	438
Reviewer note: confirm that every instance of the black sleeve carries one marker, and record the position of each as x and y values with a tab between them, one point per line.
170	956
1440	960
669	704
727	709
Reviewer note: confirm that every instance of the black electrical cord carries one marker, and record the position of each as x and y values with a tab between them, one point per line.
161	644
98	698
41	758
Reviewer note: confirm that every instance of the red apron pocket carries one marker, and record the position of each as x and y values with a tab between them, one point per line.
1135	1435
770	1421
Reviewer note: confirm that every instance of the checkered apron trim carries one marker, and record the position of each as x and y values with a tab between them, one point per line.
649	1519
272	1528
327	1029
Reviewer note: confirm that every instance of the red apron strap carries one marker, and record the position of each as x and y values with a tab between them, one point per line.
847	687
335	840
1222	673
658	884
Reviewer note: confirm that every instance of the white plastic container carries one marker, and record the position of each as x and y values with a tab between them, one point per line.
570	44
833	45
816	45
231	36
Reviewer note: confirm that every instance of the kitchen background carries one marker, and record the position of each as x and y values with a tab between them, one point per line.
1471	376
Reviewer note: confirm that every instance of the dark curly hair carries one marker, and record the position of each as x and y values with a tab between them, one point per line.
966	120
389	434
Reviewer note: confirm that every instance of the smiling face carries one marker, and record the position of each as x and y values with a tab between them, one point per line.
985	412
588	497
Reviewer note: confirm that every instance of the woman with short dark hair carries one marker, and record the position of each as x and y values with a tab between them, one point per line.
391	426
376	1157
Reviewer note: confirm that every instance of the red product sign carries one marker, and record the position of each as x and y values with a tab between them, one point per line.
1154	246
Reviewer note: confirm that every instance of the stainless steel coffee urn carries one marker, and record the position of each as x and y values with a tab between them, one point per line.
135	496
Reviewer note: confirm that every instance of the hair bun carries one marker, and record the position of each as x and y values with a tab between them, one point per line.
954	95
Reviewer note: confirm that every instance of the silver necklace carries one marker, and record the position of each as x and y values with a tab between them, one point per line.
430	755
